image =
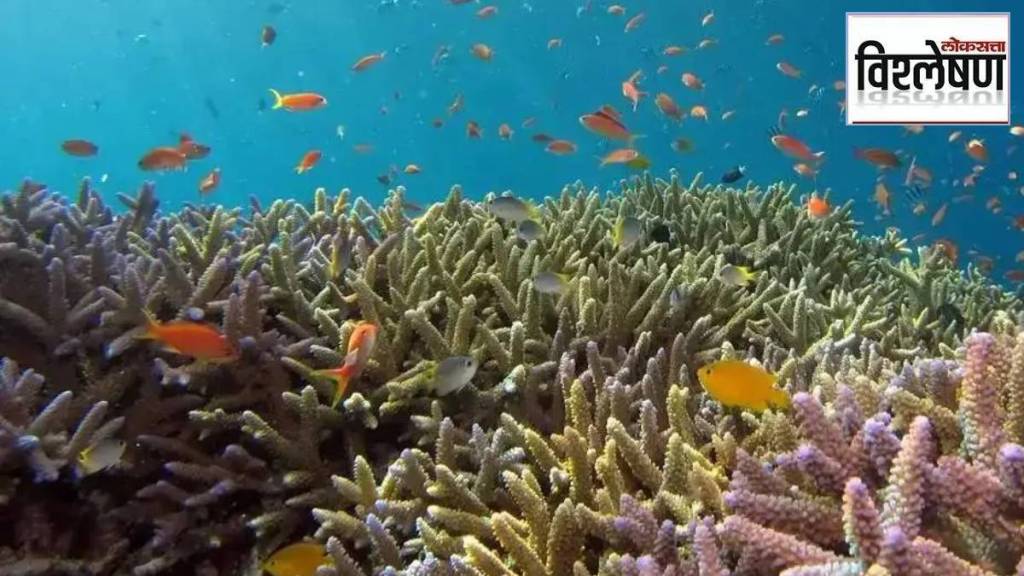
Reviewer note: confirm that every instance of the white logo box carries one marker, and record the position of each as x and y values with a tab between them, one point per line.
905	34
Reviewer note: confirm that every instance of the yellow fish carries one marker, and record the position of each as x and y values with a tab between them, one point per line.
100	456
299	559
626	231
736	384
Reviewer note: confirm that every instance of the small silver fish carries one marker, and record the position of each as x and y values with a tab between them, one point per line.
530	230
100	456
550	283
453	373
512	208
736	275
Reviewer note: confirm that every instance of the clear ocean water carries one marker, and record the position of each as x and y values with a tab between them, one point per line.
130	76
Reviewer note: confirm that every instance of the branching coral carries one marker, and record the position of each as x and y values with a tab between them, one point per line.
536	467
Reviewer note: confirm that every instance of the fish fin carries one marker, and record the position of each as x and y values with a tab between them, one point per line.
150	326
278	101
351	358
779	399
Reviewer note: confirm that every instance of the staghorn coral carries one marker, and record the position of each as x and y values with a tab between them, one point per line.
536	467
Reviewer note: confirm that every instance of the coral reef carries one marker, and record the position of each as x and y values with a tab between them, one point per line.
583	444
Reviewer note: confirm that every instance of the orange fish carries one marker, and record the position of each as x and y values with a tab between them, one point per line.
472	129
554	43
994	205
360	347
79	148
948	248
561	147
1018	222
363	148
883	198
1015	276
879	157
268	35
309	159
620	156
606	125
192	149
805	170
368	60
200	341
796	149
691	81
673	50
817	207
635	22
775	39
163	158
632	93
298	101
699	111
976	150
504	131
616	10
483	52
486	12
541	138
668	106
839	85
412	169
708	18
788	69
706	43
210	183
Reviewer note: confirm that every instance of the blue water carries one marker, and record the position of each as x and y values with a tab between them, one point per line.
130	76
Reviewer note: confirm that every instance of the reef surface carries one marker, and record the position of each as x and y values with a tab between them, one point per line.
583	444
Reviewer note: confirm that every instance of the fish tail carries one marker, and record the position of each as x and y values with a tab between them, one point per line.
631	141
341	379
278	101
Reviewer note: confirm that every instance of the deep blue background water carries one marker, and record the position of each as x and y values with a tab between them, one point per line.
131	75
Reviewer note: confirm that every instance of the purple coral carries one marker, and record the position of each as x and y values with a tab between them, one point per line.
980	409
906	498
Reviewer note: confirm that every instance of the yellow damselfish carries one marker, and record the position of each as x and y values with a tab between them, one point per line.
299	559
736	384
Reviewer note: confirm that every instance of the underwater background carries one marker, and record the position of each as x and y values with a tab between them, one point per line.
132	76
642	372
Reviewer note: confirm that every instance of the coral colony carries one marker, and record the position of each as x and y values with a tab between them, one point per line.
582	444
